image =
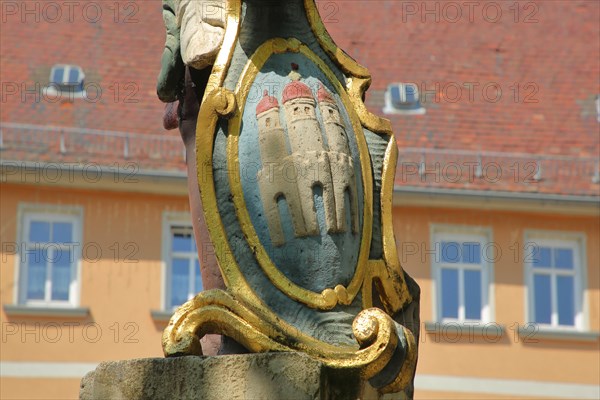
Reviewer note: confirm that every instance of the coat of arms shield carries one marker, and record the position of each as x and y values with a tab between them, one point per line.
296	180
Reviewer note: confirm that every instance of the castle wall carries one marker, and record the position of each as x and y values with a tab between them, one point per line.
314	169
273	183
343	178
311	163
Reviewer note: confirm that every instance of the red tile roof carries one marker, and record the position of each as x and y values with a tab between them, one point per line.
495	80
266	103
545	60
120	55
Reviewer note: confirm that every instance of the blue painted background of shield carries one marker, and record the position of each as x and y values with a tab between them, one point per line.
313	262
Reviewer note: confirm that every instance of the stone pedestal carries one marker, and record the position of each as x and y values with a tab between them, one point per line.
290	376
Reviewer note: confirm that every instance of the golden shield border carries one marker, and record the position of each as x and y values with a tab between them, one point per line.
238	312
329	297
219	102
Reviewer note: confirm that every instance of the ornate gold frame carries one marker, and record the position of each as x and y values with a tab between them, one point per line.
239	312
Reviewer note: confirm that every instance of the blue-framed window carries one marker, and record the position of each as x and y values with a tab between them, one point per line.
403	98
184	279
554	269
49	258
66	79
461	269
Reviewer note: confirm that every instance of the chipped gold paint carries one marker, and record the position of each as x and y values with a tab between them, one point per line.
407	372
387	273
400	295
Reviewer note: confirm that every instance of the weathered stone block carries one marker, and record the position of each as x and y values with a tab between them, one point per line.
290	376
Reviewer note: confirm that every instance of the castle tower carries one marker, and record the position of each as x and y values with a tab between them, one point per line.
271	181
271	137
342	168
304	131
335	130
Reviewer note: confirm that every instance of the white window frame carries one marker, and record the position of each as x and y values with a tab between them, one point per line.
27	212
471	234
572	240
170	220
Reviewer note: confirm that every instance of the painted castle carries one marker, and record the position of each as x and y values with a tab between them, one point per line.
317	157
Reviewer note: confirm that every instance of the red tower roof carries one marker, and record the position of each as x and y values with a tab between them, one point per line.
324	95
296	90
267	103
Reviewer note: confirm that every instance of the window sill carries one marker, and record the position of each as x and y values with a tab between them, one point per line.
67	94
531	334
390	110
21	310
161	315
459	327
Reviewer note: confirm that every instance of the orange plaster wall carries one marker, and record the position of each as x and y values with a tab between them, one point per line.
428	395
121	294
120	287
509	357
42	389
